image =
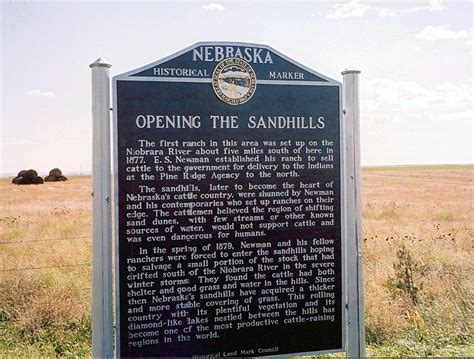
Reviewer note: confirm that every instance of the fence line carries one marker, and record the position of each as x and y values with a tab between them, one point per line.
51	267
28	240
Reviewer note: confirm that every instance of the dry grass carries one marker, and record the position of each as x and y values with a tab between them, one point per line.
428	212
45	226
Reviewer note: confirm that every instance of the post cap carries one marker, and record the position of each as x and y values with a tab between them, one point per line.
100	62
350	71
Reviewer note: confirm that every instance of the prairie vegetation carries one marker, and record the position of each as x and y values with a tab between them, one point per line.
417	252
45	272
418	261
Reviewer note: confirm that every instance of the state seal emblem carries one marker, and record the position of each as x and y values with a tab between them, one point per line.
234	81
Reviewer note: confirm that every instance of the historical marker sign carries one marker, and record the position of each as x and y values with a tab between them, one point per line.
229	197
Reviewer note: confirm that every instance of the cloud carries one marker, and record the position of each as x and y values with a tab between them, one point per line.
385	10
387	100
356	8
352	8
40	93
213	6
411	122
470	42
436	5
19	142
443	32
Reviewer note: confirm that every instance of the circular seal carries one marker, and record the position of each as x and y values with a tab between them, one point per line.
234	81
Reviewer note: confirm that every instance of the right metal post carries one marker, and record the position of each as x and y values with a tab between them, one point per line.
355	346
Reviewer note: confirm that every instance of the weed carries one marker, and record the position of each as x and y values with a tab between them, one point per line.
408	274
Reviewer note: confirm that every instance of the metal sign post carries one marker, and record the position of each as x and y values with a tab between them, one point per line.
102	313
355	292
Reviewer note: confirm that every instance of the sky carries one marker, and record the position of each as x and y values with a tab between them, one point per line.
416	62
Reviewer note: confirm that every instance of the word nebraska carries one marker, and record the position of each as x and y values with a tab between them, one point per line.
219	53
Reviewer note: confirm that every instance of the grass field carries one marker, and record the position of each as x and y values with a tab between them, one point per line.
418	261
418	264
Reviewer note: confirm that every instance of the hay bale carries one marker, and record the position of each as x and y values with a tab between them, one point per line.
50	179
30	174
56	172
61	178
28	180
21	173
18	180
37	180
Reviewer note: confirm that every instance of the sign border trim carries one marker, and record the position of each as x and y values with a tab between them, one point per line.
343	189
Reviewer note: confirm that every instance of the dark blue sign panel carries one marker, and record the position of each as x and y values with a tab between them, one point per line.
228	189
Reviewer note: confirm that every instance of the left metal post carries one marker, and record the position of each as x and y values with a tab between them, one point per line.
102	311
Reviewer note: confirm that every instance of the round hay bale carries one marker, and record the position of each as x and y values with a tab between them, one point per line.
30	174
28	180
18	180
37	180
50	179
61	178
56	172
21	173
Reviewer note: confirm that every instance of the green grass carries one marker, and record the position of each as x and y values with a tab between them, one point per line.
73	339
53	340
418	343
